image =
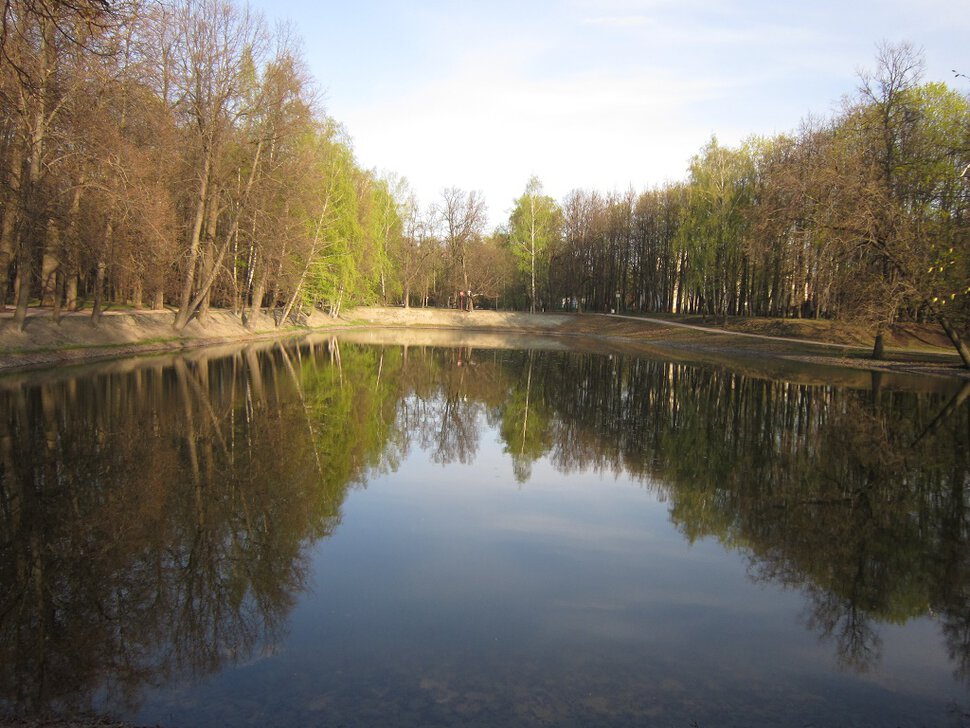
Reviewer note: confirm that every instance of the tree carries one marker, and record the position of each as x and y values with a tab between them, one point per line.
41	47
416	247
217	44
463	220
491	267
900	211
334	222
714	228
533	228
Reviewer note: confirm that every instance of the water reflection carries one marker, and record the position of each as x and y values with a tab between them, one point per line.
155	519
154	522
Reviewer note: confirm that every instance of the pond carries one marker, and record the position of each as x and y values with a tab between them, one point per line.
330	532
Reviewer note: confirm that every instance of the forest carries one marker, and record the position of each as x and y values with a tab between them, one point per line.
178	155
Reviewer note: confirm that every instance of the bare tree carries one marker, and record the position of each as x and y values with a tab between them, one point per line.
217	44
463	220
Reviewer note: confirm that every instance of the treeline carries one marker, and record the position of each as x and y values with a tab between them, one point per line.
176	154
861	216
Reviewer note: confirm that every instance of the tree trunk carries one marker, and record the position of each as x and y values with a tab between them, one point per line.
137	294
99	290
188	279
70	266
6	256
532	270
58	296
879	346
71	295
211	224
464	277
50	265
33	229
958	343
23	286
11	215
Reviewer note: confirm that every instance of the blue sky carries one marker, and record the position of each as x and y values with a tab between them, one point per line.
590	94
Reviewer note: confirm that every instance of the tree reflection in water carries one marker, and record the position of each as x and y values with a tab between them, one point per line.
155	522
155	518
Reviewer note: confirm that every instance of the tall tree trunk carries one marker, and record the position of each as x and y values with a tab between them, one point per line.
58	296
188	278
69	268
11	214
6	254
209	248
532	282
98	307
33	229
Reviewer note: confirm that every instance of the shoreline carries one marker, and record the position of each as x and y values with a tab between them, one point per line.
77	340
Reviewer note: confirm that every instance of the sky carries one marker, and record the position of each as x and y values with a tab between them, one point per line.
593	94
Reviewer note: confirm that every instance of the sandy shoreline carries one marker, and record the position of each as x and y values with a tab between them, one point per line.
76	339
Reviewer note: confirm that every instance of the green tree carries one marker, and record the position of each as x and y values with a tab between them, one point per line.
899	211
533	229
332	221
714	228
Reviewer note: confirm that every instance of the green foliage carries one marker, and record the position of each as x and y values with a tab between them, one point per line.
331	224
714	226
525	427
533	228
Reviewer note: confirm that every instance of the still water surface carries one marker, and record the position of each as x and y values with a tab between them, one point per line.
329	533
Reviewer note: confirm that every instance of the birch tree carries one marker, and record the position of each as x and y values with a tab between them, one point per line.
534	226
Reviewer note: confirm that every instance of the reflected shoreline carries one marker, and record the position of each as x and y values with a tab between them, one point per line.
145	334
752	363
